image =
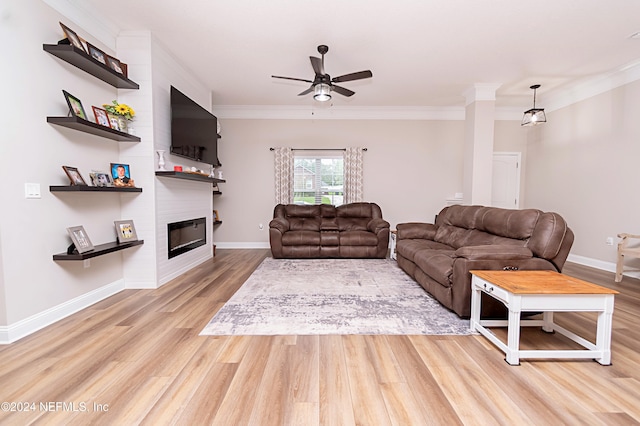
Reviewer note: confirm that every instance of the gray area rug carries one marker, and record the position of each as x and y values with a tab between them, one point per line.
332	296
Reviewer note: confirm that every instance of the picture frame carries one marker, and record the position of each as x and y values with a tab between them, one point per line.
121	175
75	105
114	121
80	239
73	38
75	178
114	64
101	116
101	179
97	54
125	231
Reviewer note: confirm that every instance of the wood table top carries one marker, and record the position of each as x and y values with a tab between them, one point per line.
540	282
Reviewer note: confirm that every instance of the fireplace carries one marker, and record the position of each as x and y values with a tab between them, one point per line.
186	235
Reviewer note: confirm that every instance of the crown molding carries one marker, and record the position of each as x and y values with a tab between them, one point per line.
587	88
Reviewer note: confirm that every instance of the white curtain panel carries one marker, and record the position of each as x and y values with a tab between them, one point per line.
283	158
353	176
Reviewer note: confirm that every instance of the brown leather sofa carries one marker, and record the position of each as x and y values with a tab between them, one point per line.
354	230
439	256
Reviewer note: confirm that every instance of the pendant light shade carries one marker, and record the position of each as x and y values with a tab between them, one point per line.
322	92
534	115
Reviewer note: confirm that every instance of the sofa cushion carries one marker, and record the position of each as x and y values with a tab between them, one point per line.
301	210
362	210
358	238
515	224
300	238
409	248
452	235
438	264
304	224
479	238
352	223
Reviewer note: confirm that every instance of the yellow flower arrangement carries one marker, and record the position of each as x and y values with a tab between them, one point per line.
120	109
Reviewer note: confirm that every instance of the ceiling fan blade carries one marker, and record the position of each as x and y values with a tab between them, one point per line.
342	90
292	78
318	66
353	76
309	90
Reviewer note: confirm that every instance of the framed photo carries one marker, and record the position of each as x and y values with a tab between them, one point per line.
74	176
114	64
75	106
114	121
101	116
73	37
121	175
96	53
126	231
80	239
101	179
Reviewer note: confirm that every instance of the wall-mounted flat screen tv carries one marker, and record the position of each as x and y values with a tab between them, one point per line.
194	130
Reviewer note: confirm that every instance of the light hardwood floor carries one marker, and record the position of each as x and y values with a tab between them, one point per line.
136	358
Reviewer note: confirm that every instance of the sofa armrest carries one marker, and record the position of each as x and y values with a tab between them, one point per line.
494	252
416	230
377	225
280	224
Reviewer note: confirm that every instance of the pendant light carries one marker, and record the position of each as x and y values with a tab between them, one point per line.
535	115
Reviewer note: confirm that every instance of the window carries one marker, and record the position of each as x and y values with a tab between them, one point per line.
318	180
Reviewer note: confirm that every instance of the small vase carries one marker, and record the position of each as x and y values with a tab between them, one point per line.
122	123
161	162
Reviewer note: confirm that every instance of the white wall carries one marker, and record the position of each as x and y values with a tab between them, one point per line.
33	151
35	290
410	168
583	164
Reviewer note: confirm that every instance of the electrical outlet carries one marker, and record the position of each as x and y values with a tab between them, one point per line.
609	241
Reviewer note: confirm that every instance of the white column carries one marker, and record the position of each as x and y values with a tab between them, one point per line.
478	161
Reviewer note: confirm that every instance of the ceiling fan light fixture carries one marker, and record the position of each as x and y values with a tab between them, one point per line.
534	116
322	92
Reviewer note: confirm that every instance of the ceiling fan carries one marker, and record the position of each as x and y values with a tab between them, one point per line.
322	85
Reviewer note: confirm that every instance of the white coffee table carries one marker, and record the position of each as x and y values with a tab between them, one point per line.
546	292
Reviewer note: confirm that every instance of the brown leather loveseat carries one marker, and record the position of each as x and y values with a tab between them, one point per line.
439	256
354	230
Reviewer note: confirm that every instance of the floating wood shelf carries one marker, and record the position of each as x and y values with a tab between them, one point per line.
84	188
86	126
217	222
98	250
189	176
82	60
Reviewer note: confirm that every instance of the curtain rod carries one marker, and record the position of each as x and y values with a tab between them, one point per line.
318	149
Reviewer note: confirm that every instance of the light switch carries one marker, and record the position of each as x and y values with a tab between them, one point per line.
32	190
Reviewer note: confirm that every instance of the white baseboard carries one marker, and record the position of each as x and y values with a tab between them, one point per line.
22	328
253	245
600	264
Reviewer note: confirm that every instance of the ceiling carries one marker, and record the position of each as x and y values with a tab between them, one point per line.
421	52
